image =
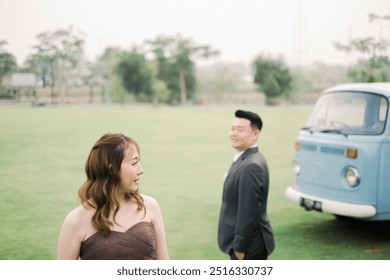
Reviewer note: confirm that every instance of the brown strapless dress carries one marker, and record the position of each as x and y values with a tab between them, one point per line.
136	243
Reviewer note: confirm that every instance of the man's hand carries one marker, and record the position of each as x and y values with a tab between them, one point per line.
239	255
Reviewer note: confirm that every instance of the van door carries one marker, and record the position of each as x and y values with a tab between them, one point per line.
383	207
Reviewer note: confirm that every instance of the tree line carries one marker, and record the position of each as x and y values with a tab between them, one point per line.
163	69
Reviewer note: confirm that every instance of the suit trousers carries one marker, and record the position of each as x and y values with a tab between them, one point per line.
256	252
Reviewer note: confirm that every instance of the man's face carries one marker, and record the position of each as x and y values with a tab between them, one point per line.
242	135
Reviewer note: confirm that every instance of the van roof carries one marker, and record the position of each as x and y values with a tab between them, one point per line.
381	88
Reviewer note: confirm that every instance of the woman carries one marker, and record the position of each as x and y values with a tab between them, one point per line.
114	221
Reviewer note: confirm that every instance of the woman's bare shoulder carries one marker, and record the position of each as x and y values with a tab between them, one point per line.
79	216
150	201
152	206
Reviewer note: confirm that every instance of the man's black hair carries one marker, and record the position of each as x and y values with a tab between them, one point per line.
252	117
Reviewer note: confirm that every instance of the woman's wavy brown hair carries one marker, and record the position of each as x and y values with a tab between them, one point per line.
102	168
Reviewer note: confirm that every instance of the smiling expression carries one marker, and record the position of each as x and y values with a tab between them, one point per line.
242	134
131	170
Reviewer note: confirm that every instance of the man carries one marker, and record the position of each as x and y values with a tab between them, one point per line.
244	230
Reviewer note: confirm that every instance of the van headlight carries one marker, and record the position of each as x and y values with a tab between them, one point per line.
296	167
352	176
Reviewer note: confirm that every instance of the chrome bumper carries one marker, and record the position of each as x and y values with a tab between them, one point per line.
334	207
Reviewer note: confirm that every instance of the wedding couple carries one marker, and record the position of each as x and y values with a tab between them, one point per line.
116	222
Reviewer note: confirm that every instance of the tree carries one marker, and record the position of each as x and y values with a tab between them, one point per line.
58	53
41	66
186	52
175	58
272	77
161	48
101	71
135	74
374	65
7	62
160	91
271	87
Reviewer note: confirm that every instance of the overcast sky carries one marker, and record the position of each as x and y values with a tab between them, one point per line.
302	31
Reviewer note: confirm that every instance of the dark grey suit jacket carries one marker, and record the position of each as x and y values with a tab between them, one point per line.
243	222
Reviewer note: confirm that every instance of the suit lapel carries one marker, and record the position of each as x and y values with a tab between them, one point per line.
248	152
238	162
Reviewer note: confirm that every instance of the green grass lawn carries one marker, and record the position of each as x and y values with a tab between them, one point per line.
185	154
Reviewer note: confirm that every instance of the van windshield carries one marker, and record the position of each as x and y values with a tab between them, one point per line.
349	113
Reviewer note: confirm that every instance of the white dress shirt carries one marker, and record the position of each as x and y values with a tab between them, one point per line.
240	153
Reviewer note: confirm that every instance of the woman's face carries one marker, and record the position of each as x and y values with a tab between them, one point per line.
131	171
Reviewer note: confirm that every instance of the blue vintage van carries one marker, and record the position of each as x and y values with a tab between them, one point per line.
342	159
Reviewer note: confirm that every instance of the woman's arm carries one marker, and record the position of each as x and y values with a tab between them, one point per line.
156	219
70	238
